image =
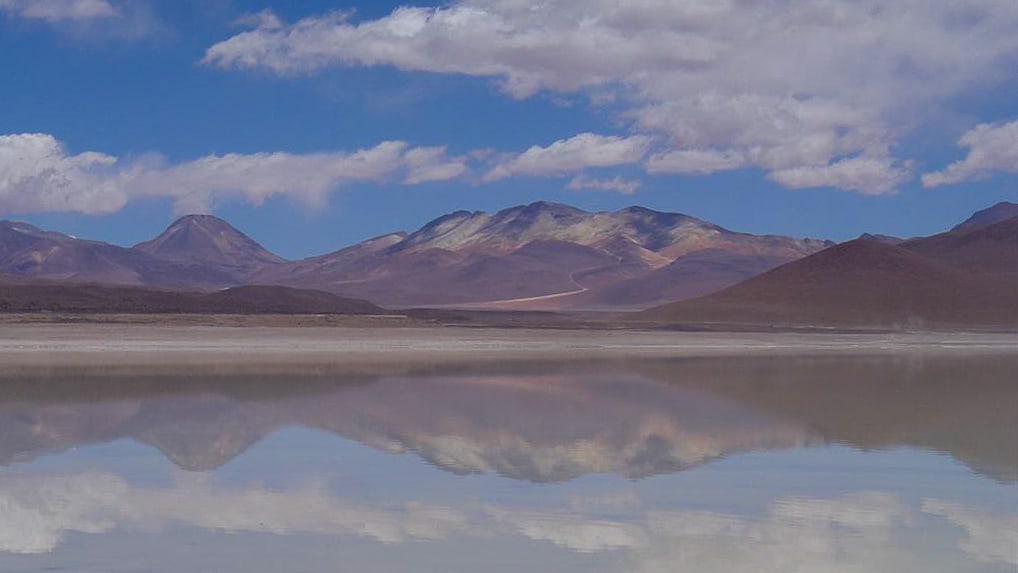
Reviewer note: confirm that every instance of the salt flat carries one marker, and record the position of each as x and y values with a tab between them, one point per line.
99	345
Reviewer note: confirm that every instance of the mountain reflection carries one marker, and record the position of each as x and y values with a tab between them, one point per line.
634	420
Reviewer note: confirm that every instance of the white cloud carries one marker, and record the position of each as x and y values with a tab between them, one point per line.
432	164
567	156
814	94
617	184
59	10
531	45
868	175
696	161
37	174
991	148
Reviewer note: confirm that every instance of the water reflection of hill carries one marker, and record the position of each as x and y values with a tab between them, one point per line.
636	420
964	407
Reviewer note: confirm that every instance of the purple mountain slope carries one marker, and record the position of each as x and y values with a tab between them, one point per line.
543	255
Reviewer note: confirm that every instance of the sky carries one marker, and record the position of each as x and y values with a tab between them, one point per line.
313	125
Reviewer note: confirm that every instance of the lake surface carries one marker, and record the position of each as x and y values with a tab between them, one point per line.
822	464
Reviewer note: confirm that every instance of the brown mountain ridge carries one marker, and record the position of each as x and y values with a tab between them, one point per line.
960	278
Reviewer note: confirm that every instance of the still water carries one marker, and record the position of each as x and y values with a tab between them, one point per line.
727	465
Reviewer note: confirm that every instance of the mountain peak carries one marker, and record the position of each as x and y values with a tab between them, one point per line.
203	221
1000	212
208	239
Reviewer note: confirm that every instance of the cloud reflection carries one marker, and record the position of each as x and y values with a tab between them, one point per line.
990	536
859	532
35	513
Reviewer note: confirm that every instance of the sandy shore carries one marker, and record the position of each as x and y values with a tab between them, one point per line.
39	346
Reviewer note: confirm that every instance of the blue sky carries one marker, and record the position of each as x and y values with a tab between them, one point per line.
312	125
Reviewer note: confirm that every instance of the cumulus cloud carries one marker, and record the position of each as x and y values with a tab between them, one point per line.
868	175
814	94
38	174
425	164
695	161
59	10
561	45
567	156
991	148
616	184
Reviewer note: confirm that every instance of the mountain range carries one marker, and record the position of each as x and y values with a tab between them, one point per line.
539	255
551	256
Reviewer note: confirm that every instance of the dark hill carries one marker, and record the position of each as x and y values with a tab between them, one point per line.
283	300
858	283
22	296
992	248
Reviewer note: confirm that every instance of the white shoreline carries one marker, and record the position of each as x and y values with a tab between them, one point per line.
52	345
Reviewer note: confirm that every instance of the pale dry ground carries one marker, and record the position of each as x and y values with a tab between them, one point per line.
148	348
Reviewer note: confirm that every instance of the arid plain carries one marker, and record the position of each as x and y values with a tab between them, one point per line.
128	347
